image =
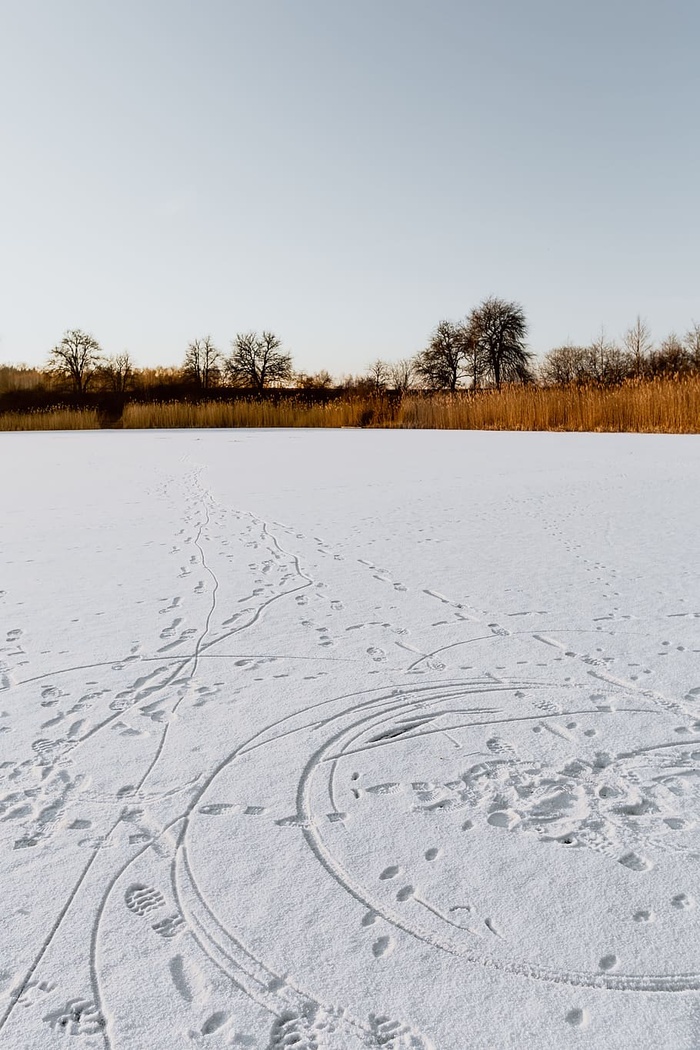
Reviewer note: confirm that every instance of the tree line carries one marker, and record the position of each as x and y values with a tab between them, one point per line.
484	350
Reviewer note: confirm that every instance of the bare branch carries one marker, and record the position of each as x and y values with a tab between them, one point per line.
76	359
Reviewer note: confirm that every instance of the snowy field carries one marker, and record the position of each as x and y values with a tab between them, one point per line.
349	739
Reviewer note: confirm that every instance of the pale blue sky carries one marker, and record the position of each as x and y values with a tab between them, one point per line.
344	173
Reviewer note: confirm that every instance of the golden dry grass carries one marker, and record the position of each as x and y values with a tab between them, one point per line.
50	419
175	414
659	407
667	406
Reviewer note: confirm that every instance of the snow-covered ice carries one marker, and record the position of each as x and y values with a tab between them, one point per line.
349	739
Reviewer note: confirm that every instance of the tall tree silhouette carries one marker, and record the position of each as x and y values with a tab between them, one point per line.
499	329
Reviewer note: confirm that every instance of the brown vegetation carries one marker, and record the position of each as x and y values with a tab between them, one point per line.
668	406
51	419
474	374
664	406
250	413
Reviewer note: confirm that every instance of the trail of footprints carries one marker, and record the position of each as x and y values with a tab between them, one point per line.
487	788
319	1028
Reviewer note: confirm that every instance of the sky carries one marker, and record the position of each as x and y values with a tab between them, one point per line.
345	174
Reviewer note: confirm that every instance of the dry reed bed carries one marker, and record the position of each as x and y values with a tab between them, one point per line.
175	414
50	419
660	406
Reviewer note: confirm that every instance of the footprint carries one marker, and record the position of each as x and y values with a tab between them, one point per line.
395	1036
682	901
77	1017
168	632
635	863
294	821
389	873
141	899
643	915
303	1029
382	946
505	818
213	1023
170	926
432	854
608	962
46	750
577	1017
177	973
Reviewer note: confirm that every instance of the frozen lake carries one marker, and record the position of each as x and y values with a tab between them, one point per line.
348	739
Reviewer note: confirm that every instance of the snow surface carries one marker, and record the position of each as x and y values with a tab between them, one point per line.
349	739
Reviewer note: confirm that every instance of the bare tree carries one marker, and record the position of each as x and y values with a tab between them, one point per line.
402	374
117	371
606	362
379	374
76	359
442	365
671	358
202	363
476	360
691	342
322	380
638	345
564	365
499	329
258	360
